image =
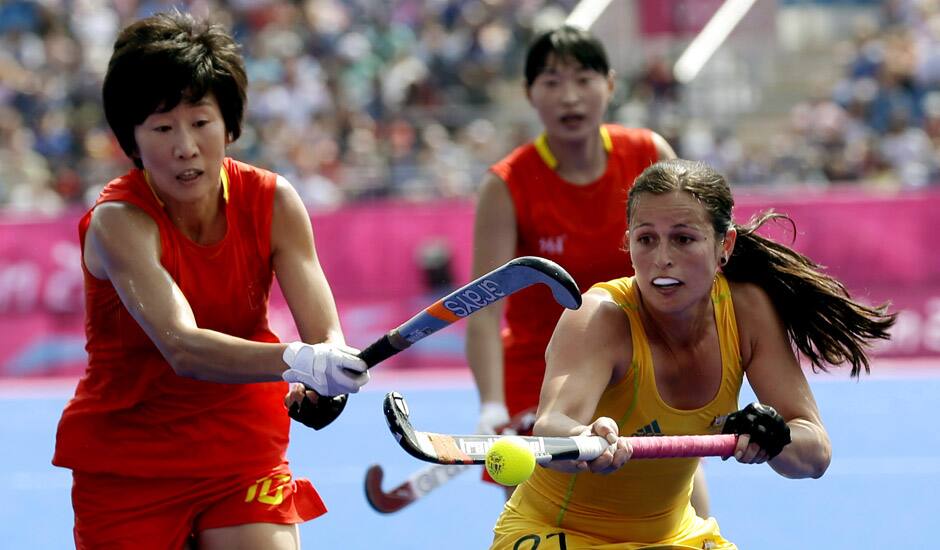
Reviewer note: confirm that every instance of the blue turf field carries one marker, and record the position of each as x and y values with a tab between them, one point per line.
878	493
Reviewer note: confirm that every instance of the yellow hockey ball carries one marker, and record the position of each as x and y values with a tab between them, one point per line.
510	461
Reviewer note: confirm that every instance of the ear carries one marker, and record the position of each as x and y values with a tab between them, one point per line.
727	245
526	89
611	80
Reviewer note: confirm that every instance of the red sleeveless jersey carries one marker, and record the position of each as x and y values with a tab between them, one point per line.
131	414
581	227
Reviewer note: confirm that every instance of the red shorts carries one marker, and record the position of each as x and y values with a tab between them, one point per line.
117	512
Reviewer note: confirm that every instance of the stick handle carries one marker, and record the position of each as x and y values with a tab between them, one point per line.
378	351
683	446
663	446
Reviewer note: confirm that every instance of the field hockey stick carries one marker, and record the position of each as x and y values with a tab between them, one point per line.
430	477
472	449
503	281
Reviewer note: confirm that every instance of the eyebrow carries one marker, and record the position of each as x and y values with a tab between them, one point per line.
674	226
574	66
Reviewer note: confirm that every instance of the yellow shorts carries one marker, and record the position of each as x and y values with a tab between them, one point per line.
516	532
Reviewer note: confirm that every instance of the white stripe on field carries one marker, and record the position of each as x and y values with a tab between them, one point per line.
383	380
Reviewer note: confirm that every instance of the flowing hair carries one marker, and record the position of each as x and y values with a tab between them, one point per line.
822	321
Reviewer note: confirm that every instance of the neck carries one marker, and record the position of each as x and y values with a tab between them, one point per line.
202	221
678	330
579	161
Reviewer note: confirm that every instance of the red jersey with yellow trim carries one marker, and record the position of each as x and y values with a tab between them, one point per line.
581	227
132	414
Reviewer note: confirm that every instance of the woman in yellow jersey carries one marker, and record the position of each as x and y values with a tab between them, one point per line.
666	351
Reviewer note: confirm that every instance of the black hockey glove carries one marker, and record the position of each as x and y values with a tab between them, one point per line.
763	424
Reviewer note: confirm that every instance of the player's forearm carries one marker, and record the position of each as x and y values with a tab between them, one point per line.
332	335
216	357
551	424
485	358
807	455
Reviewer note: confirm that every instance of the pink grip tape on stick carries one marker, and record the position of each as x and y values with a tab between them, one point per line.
683	446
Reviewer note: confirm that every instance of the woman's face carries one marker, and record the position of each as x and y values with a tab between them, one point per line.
570	100
674	250
182	149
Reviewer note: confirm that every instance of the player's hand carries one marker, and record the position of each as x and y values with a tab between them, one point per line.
613	458
763	433
327	369
296	393
617	454
492	416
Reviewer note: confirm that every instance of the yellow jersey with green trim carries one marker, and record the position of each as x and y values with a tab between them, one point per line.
646	501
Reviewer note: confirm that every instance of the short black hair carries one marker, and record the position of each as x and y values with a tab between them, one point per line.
565	42
168	58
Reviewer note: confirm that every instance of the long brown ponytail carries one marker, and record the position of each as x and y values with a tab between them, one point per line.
821	319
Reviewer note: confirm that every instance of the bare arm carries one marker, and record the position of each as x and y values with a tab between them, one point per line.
123	245
298	269
777	379
494	243
588	351
663	149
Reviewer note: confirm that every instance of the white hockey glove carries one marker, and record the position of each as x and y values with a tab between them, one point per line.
492	415
327	369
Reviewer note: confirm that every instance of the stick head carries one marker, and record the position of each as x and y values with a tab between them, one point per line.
396	414
539	270
379	500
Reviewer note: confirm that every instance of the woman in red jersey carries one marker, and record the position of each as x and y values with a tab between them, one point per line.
561	197
177	432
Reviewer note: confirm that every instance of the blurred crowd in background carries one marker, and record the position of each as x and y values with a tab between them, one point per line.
880	121
355	100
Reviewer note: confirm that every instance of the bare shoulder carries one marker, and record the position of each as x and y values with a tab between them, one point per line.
592	339
113	214
113	223
285	195
599	324
493	187
494	224
751	301
119	233
755	314
599	308
663	150
291	229
290	213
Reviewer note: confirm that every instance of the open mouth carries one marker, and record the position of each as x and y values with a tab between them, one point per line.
189	175
572	119
666	282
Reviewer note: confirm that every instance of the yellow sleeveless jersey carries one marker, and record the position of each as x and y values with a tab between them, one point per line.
646	501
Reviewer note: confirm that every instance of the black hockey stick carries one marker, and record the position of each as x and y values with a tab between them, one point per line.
472	449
